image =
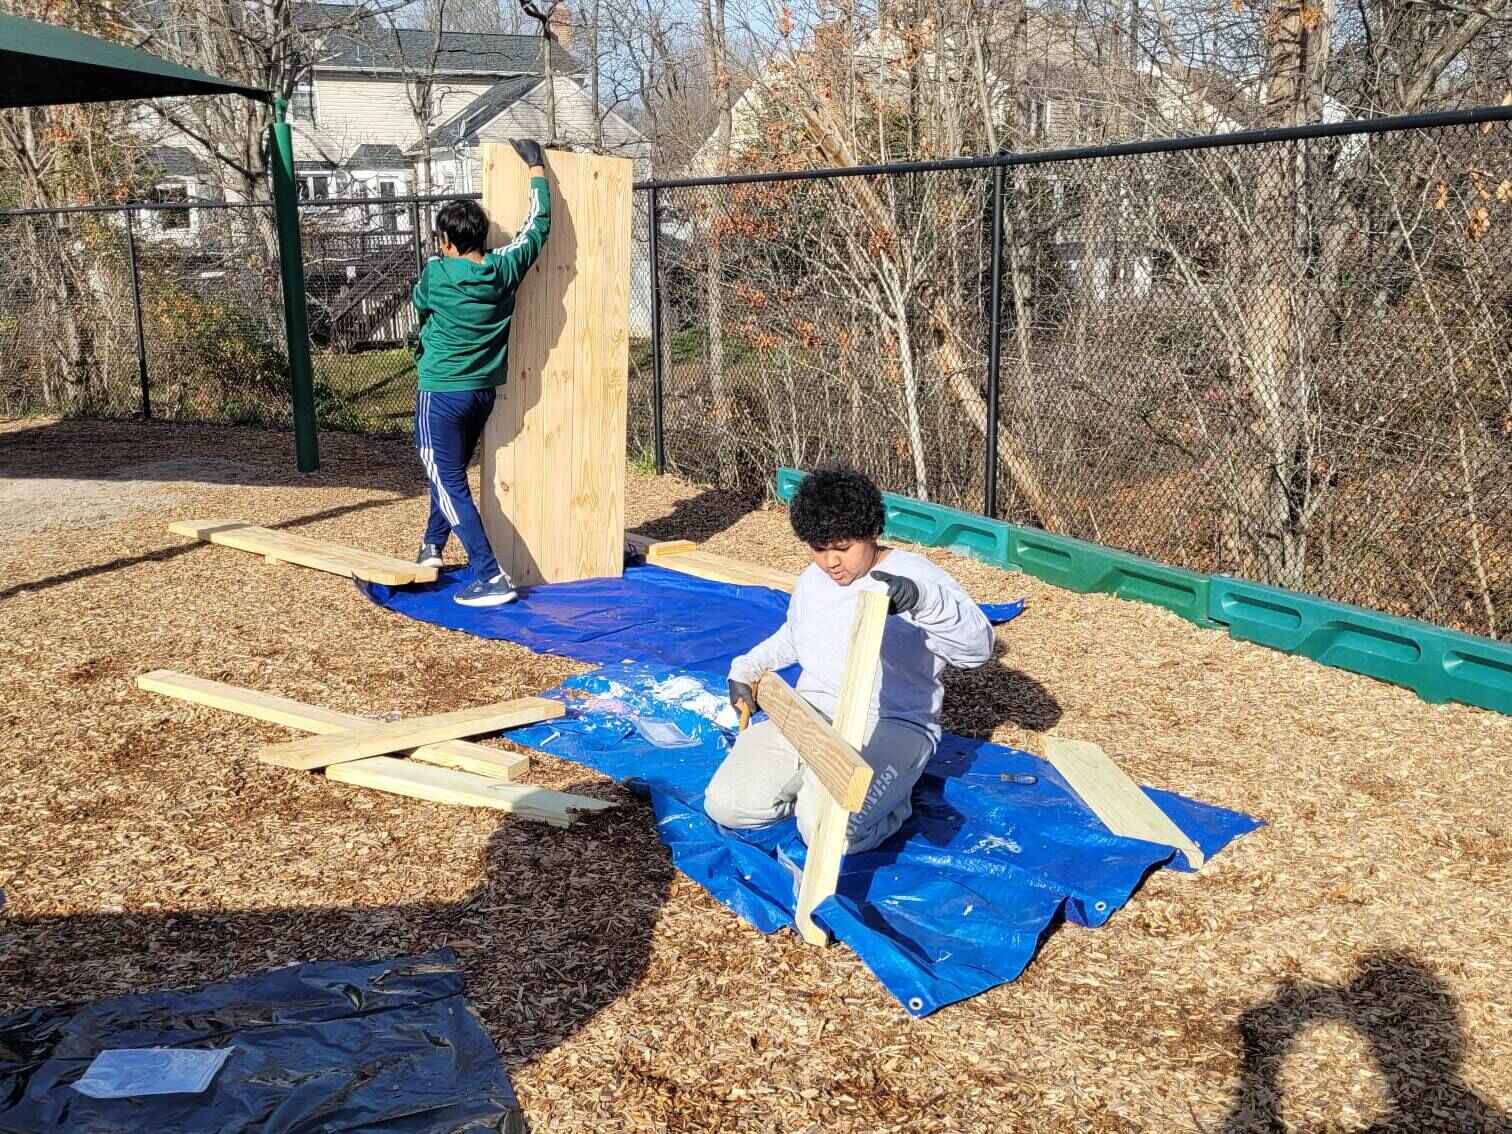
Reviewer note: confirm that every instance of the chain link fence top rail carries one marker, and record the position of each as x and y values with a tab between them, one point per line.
1280	356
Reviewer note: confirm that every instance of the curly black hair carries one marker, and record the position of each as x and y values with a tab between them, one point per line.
836	505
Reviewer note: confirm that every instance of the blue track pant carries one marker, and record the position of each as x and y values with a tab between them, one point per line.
447	429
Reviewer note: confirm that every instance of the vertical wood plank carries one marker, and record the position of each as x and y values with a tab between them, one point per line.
555	448
863	663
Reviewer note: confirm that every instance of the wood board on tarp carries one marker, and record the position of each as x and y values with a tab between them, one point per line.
553	485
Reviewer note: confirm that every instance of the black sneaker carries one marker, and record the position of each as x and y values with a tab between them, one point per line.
487	592
430	555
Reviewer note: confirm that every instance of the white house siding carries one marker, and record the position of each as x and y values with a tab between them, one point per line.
353	109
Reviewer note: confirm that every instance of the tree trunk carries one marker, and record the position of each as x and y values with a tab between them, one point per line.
719	78
1269	522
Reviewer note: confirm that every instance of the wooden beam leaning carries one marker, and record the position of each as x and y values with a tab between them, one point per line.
832	751
443	785
1111	795
834	761
463	755
314	752
289	547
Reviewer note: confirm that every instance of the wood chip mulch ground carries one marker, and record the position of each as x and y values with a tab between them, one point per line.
1348	967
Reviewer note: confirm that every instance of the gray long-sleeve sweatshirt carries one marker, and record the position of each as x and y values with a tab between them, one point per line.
946	628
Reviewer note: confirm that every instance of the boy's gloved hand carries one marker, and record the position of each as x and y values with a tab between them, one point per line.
529	151
902	592
740	693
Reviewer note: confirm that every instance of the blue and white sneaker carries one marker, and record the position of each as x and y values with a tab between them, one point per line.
487	592
430	555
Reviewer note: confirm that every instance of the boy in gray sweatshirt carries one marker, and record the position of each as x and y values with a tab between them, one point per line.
840	514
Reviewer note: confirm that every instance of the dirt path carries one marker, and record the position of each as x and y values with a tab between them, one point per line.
1346	966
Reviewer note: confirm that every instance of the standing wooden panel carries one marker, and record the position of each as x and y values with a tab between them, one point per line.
554	450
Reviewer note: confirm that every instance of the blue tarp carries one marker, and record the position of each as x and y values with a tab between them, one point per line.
954	904
652	615
386	1046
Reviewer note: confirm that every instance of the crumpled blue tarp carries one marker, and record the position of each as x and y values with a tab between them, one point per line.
651	615
954	904
387	1046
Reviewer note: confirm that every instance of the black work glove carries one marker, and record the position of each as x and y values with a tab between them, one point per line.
529	151
740	691
902	592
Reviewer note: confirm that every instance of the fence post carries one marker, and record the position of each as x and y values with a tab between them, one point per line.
658	427
414	217
136	303
994	348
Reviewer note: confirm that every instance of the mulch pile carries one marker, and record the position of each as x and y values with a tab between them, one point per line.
1347	965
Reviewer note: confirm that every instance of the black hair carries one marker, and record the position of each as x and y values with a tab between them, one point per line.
836	505
464	224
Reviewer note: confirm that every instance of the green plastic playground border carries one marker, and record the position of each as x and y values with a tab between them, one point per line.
1438	664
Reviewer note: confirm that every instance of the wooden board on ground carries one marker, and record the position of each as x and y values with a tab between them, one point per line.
443	785
683	555
287	547
463	755
831	751
554	447
1115	798
381	739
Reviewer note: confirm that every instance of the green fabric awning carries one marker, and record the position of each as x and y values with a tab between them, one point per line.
41	65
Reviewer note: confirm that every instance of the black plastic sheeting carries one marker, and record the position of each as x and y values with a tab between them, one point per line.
330	1046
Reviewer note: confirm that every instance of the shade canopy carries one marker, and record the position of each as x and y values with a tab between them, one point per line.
44	65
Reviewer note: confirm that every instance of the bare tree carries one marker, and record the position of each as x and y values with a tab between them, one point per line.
544	13
420	85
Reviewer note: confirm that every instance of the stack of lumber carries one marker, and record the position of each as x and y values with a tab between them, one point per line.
441	766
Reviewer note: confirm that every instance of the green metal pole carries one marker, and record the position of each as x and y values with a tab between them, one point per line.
291	262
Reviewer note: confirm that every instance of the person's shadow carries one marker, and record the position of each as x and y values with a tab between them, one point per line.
978	700
548	938
1412	1024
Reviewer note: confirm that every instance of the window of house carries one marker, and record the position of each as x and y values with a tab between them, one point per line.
390	190
315	187
302	105
167	195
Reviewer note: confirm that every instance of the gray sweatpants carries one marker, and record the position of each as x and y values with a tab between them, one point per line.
762	781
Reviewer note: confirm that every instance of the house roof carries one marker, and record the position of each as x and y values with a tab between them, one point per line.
175	161
372	155
465	124
367	43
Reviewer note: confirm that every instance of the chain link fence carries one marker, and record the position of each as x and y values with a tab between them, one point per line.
1288	360
1285	357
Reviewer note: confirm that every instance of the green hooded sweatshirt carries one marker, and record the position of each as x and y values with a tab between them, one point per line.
465	307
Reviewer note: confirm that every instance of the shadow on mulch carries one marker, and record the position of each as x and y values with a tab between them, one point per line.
164	554
548	939
977	701
1410	1020
702	517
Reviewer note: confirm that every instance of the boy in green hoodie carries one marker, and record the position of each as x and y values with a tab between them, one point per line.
465	298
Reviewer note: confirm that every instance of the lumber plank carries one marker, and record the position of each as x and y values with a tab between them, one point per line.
320	555
314	752
835	762
460	754
1111	795
863	664
686	556
554	447
445	785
